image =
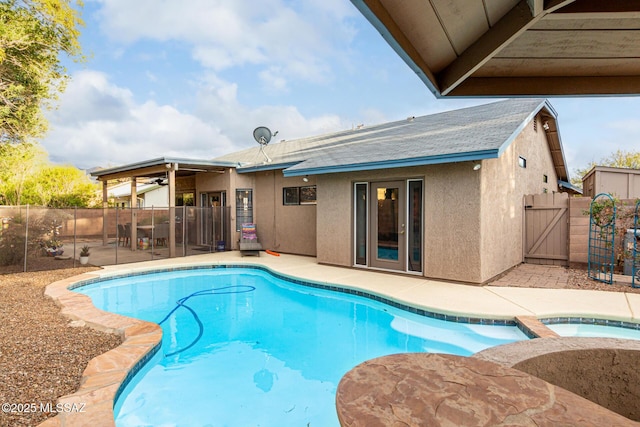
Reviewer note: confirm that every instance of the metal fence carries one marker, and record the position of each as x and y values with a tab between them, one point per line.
35	238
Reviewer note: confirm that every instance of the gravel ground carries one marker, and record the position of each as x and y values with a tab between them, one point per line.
579	279
41	357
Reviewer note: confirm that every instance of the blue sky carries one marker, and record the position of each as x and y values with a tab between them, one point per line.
193	79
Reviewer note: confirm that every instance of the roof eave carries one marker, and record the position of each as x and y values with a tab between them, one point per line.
266	167
158	162
390	164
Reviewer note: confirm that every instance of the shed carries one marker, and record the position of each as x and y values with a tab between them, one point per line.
623	183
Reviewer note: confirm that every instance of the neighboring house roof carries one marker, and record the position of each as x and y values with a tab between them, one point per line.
474	133
514	47
124	189
569	187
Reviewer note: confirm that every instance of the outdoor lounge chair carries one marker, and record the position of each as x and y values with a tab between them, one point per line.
249	244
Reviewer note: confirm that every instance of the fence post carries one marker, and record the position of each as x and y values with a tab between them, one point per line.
184	230
117	235
26	239
75	233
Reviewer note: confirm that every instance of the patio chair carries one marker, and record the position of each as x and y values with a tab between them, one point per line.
161	234
123	236
249	244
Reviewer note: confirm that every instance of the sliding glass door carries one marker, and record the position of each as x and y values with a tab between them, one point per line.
388	223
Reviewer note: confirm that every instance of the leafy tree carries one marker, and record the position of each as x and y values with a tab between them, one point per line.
617	159
59	187
33	34
27	177
18	164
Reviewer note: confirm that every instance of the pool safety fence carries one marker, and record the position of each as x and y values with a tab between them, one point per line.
37	238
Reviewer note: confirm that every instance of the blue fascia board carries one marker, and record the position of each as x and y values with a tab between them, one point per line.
390	164
265	167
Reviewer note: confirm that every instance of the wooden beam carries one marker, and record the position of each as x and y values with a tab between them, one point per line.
536	6
172	210
143	172
595	6
548	86
402	45
134	214
105	214
510	27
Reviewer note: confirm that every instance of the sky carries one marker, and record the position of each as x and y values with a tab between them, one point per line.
169	78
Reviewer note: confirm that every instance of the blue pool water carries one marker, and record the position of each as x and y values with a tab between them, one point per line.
590	330
244	348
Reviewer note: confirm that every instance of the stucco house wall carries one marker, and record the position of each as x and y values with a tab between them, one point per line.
504	183
473	219
287	229
451	215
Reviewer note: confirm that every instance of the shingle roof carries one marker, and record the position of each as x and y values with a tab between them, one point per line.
467	134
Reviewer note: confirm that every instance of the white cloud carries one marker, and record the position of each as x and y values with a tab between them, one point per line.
100	124
288	40
217	101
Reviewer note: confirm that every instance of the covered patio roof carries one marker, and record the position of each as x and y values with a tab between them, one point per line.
158	168
466	48
163	167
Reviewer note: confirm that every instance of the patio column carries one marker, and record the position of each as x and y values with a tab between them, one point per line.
134	214
105	213
172	210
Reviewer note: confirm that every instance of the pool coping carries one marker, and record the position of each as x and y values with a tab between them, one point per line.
107	374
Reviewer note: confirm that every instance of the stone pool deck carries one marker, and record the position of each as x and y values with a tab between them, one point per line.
104	374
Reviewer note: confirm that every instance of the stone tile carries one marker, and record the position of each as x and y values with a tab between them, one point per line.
421	389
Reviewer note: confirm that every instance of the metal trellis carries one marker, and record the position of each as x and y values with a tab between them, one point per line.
602	224
635	273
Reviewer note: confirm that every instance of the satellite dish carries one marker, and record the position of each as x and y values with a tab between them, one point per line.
262	135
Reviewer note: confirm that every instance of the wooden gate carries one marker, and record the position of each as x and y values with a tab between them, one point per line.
546	227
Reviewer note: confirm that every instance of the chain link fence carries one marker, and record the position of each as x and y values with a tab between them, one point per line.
35	238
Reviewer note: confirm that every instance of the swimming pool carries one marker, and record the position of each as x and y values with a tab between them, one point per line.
242	347
592	330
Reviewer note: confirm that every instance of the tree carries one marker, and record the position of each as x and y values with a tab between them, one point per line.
60	187
18	163
617	159
33	34
27	177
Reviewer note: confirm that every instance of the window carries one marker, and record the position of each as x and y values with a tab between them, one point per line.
522	162
299	195
361	189
244	207
291	196
308	195
185	199
545	178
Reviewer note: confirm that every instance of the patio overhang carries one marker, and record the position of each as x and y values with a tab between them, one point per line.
169	168
157	168
506	48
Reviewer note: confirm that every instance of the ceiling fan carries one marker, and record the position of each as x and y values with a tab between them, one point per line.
159	181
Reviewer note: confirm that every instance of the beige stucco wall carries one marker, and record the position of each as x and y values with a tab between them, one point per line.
287	229
504	184
451	246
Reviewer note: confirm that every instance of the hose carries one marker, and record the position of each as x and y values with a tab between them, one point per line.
239	289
